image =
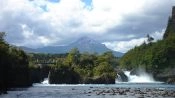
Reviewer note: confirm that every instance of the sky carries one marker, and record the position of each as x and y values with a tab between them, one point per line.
119	24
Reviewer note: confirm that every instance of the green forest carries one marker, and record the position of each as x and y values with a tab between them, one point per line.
156	57
76	67
14	70
20	69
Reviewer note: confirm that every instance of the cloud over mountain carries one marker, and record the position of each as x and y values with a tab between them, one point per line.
37	23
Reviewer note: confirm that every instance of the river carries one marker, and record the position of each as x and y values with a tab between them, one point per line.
118	90
142	86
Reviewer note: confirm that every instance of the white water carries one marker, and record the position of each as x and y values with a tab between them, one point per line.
46	81
142	78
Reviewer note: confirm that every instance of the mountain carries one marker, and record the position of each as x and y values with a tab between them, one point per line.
83	44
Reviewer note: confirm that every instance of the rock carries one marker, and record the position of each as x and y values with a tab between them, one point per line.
167	75
141	96
171	80
44	71
35	75
62	75
103	79
123	77
122	93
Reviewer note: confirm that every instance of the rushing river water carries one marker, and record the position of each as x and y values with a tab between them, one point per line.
142	86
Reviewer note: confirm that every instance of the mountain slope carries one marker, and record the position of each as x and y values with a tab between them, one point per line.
157	57
83	44
160	54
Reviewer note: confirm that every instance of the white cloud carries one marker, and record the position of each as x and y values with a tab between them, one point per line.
158	35
47	23
124	46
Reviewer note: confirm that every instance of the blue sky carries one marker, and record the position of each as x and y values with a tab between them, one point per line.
119	24
55	1
87	2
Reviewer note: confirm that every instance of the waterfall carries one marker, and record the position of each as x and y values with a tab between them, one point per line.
46	81
119	79
137	76
141	78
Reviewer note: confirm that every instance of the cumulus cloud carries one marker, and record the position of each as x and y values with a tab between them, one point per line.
37	23
124	46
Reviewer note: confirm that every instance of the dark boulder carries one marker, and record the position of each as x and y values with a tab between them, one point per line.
123	77
171	80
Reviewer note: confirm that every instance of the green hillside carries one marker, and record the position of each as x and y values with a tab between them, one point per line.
157	57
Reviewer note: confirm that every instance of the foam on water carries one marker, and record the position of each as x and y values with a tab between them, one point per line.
142	78
46	81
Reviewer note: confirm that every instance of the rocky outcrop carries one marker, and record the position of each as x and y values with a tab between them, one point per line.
63	75
123	77
103	79
166	75
35	75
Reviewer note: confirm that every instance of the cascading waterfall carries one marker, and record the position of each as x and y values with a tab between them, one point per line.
141	78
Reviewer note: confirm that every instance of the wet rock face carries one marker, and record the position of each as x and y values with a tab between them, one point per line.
123	77
135	72
167	75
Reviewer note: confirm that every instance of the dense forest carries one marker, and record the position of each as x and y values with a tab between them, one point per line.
20	69
86	68
14	70
156	57
74	67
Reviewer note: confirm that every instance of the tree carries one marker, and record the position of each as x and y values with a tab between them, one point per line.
73	57
2	35
149	38
103	67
